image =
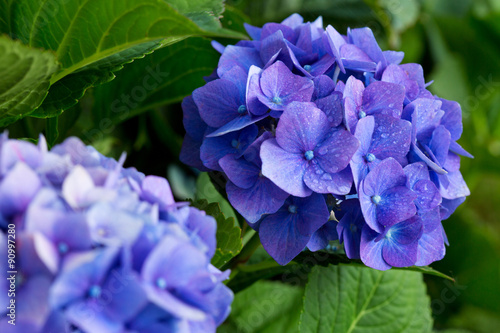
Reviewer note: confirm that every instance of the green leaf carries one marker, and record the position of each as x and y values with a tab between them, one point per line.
359	299
95	38
205	189
228	235
25	74
164	77
266	307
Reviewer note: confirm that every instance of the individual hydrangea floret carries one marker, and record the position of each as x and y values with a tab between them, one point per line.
101	248
306	112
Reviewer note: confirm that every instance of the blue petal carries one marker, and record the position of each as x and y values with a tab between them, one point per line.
284	169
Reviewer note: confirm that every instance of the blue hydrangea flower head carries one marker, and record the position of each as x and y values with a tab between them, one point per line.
102	248
330	115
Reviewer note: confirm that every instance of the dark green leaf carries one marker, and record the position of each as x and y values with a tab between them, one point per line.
164	77
228	235
25	74
95	38
205	189
360	299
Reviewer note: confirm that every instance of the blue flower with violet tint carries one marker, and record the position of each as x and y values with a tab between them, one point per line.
93	241
250	192
324	111
307	154
286	233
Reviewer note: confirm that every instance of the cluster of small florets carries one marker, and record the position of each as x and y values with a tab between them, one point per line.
100	248
306	122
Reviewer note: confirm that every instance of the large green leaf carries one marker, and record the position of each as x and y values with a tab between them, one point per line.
94	38
228	235
266	307
164	77
358	299
25	74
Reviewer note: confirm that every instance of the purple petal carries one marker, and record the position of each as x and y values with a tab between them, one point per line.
252	153
301	127
364	39
253	32
190	153
457	187
283	168
396	206
428	196
14	151
349	228
334	153
243	57
384	97
242	173
213	149
323	86
371	250
128	297
89	317
318	180
262	198
17	189
293	21
393	57
270	28
274	47
452	118
440	144
157	190
457	149
313	213
281	238
406	232
431	247
391	138
281	87
335	41
192	121
218	102
254	106
237	124
449	206
332	106
76	187
425	115
320	239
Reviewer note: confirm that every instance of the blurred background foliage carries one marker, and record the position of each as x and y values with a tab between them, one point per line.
456	41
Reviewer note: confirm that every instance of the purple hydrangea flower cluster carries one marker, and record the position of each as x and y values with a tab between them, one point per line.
323	136
101	248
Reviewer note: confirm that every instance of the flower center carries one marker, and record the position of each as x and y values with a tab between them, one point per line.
242	109
276	100
370	157
95	291
62	247
353	228
307	68
309	155
292	209
161	283
362	114
376	199
235	143
388	234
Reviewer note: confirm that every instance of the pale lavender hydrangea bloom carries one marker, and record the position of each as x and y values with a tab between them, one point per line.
101	248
